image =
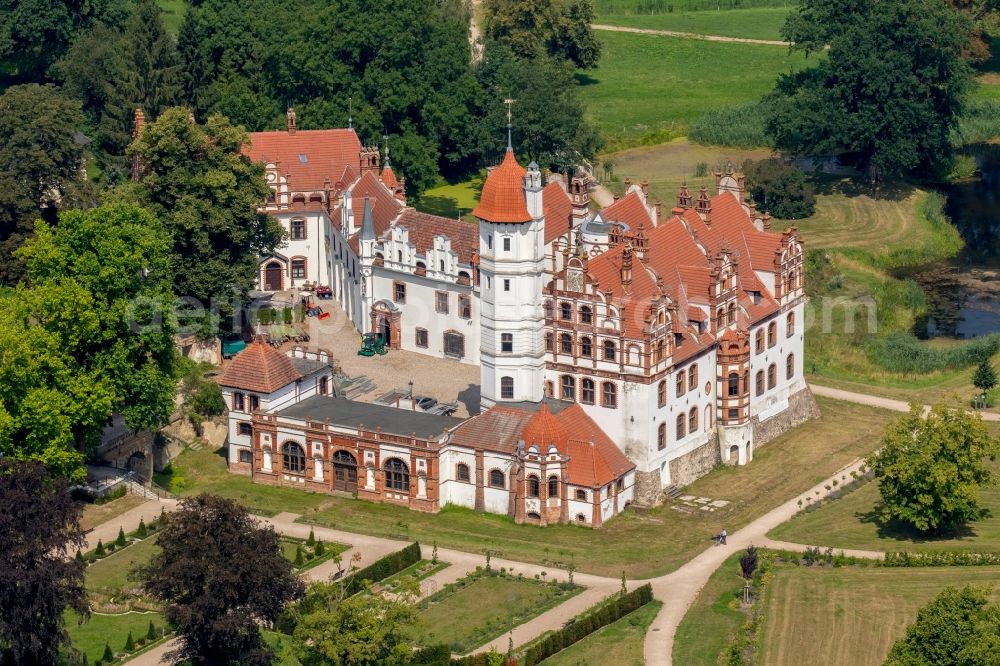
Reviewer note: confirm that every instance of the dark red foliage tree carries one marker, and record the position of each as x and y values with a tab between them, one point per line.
220	575
39	577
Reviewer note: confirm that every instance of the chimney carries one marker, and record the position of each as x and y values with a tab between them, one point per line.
645	187
684	197
290	117
704	206
626	270
767	221
659	209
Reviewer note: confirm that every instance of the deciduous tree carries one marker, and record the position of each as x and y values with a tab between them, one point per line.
533	28
39	529
957	628
220	574
889	88
931	468
780	189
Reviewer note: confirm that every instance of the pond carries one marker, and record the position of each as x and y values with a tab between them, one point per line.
964	294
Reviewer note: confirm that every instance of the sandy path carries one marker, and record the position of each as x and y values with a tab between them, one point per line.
689	35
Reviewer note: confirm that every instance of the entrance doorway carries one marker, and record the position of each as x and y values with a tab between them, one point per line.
345	472
272	277
385	331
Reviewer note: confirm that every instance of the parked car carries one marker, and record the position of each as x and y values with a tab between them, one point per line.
425	402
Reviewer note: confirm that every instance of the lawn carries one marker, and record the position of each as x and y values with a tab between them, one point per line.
111	573
620	643
712	619
648	88
452	200
755	23
113	630
173	14
467	616
98	514
850	615
644	545
849	522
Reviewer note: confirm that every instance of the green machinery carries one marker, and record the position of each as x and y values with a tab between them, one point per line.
372	344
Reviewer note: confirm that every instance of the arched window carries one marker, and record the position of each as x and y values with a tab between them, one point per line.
507	388
533	488
681	423
586	347
693	378
581	495
790	325
580	518
293	458
731	314
790	366
566	343
661	351
760	382
772	376
397	475
661	437
772	334
720	318
548	309
609	394
586	314
568	387
550	390
693	420
587	391
462	472
760	341
496	479
681	383
708	418
553	486
549	337
565	311
734	384
610	351
661	393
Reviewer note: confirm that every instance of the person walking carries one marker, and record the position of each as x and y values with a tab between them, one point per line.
723	536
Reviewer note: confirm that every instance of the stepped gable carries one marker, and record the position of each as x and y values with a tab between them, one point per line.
259	368
629	210
309	157
502	199
558	210
424	227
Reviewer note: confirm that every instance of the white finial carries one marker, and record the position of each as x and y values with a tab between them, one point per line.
385	138
350	113
508	102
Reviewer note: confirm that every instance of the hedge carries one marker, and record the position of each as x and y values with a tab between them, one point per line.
391	564
941	558
608	611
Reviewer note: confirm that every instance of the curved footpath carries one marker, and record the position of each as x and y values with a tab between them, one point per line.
677	590
689	35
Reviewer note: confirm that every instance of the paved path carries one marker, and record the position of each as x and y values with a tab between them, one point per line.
690	35
878	401
128	521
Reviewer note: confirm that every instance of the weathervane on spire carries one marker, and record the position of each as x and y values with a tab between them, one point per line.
508	102
385	140
350	113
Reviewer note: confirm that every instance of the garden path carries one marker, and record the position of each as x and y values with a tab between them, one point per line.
877	401
689	35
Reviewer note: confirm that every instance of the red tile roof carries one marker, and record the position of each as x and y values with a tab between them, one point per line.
496	429
326	153
594	460
423	227
558	211
502	198
545	429
630	210
259	368
385	207
388	177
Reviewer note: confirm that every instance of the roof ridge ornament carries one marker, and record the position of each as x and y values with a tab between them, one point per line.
510	145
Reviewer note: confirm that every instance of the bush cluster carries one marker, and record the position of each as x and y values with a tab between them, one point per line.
903	353
941	558
782	189
391	564
740	126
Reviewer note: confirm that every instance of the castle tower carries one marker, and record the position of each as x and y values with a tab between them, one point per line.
512	261
579	194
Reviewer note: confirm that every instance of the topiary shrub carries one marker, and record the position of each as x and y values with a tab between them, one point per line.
120	541
100	551
129	643
143	531
151	632
108	655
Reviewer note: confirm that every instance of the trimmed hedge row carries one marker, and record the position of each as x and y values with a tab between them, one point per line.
943	558
608	611
391	564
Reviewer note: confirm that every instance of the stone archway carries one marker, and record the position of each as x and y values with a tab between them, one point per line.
273	276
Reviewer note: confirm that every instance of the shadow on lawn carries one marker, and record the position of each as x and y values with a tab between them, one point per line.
899	531
585	79
854	187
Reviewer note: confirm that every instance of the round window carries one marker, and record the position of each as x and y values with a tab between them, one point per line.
708	388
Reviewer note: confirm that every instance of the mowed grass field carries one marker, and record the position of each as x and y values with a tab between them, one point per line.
112	572
711	620
755	23
849	522
648	84
644	545
113	630
619	643
850	615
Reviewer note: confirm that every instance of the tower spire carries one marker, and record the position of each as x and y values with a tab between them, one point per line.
508	102
385	139
350	113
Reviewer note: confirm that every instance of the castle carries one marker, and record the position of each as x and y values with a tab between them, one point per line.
621	352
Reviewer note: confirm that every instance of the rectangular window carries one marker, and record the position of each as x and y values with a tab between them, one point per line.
254	403
421	337
246	456
399	292
441	301
507	342
506	284
454	345
734	413
238	403
298	268
245	428
298	229
506	244
464	307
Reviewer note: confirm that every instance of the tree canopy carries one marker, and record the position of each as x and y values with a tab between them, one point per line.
39	579
889	88
532	28
957	628
220	574
930	469
207	194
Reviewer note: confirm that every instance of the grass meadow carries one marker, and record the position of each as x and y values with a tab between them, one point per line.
755	23
650	544
619	643
712	619
91	636
850	615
